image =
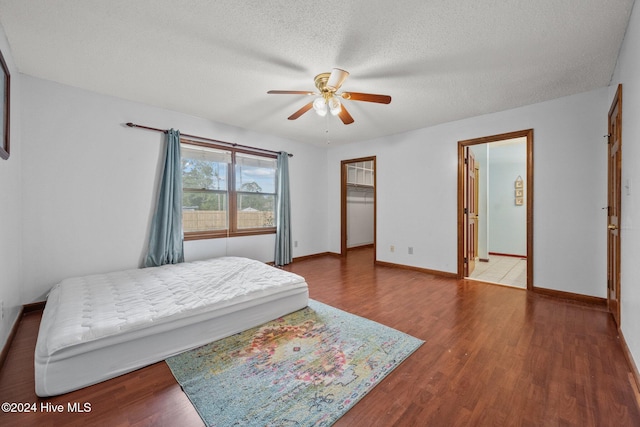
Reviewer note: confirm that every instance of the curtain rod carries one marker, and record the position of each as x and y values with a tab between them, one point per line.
233	144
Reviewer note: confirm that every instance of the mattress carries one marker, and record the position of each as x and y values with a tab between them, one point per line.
97	327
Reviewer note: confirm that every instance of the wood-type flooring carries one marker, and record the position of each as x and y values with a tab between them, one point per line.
493	356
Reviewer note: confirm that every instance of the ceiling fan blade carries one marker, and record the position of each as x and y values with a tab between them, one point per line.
290	92
301	111
336	79
368	97
345	116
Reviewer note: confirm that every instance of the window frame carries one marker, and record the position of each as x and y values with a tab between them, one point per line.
232	197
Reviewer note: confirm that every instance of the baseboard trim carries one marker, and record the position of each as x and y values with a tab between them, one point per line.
510	255
419	269
7	345
318	255
634	375
306	257
585	299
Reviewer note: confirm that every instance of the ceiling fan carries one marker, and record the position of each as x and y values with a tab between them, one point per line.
328	98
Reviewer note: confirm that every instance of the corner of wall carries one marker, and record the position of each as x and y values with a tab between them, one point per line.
11	208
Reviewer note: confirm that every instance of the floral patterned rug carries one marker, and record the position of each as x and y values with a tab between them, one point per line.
304	369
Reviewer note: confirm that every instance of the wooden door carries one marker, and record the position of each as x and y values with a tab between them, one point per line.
613	205
476	210
471	212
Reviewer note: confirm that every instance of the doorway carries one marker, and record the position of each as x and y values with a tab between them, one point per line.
358	203
495	209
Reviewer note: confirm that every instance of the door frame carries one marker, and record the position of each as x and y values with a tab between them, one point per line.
613	245
528	134
343	202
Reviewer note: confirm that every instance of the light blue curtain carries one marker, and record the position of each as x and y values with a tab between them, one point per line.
283	212
166	237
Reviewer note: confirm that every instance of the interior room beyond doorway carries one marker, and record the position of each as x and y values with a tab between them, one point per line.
501	212
358	204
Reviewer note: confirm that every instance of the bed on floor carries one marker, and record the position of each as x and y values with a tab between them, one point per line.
98	327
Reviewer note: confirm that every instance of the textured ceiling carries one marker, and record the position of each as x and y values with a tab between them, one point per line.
440	60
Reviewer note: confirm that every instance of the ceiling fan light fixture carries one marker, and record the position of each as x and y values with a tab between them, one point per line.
328	99
320	106
334	106
336	79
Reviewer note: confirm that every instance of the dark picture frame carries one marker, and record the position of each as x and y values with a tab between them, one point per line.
5	107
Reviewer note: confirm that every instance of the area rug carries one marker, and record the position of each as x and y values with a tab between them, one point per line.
305	369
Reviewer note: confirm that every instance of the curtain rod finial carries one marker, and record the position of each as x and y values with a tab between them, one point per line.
130	124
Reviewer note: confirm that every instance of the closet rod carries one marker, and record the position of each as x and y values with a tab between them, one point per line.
232	144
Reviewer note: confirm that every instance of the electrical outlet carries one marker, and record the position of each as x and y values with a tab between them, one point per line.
410	250
392	248
295	243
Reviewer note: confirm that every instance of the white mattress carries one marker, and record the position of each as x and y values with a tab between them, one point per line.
96	327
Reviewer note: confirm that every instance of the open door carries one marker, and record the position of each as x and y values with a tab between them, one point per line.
468	203
471	211
613	205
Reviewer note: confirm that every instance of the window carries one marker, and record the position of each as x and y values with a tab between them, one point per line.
255	191
226	191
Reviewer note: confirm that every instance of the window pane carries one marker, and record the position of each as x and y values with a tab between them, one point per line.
205	185
204	211
205	153
255	174
204	174
256	210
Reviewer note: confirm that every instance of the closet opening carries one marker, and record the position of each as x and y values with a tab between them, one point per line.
358	204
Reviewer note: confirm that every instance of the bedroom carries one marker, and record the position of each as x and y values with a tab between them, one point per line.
68	142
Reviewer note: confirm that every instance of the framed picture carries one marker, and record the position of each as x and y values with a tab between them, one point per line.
5	104
519	201
519	193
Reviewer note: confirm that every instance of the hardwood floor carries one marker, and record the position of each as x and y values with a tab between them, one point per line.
493	356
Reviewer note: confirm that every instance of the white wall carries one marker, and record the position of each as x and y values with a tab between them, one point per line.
89	185
417	190
507	221
360	202
628	74
10	208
